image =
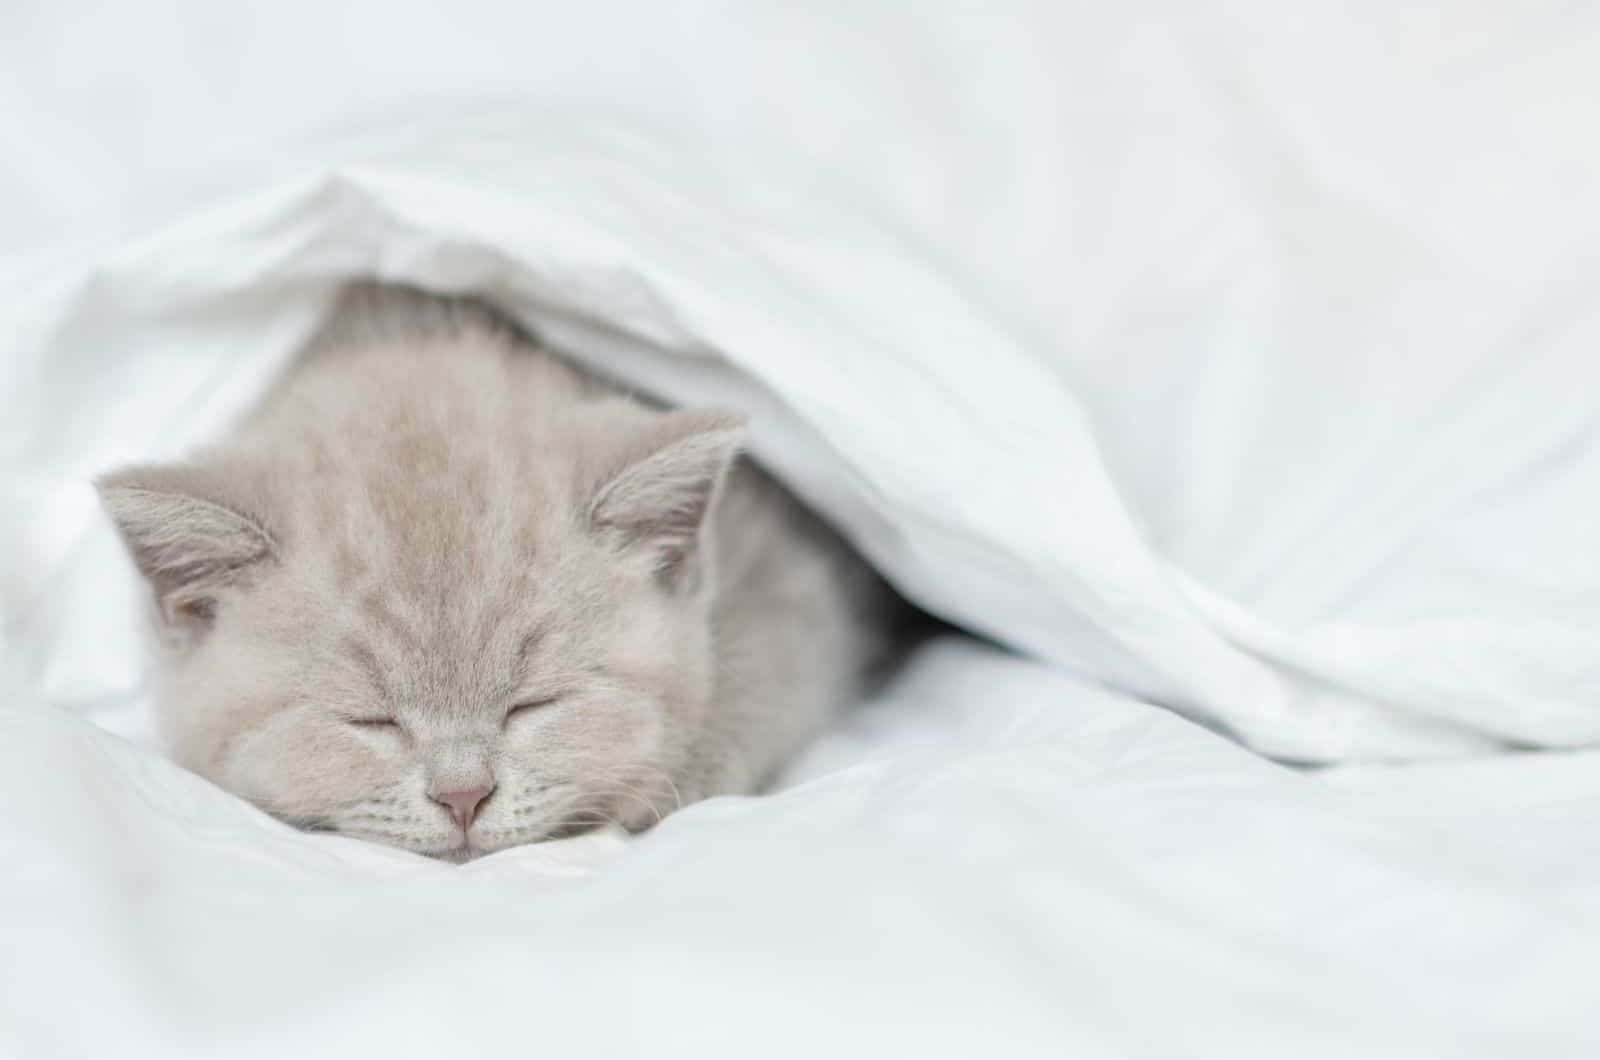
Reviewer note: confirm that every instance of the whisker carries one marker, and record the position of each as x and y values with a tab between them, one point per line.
620	789
582	820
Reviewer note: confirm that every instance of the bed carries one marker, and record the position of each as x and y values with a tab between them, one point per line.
1226	372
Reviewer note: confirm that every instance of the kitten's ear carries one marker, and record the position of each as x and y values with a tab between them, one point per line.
658	495
185	535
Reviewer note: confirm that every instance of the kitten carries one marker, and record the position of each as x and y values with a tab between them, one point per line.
444	591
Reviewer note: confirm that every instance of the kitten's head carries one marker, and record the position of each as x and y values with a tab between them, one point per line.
470	636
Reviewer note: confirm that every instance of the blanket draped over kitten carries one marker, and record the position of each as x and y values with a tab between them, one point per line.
442	590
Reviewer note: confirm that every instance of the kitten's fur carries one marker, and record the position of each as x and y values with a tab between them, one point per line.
428	522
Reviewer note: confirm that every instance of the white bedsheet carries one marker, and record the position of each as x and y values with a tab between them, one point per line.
1242	361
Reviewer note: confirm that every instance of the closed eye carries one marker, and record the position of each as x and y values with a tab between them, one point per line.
374	723
530	706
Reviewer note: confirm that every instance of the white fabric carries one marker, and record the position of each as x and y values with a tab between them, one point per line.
1238	360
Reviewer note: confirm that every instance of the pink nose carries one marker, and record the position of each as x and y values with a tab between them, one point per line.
463	804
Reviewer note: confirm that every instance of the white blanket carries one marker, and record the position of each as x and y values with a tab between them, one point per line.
1242	362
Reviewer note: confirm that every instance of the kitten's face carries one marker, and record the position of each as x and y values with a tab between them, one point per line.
449	669
559	695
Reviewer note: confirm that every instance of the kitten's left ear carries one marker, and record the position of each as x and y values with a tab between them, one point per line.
658	497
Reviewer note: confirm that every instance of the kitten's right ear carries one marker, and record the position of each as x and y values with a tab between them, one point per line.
185	535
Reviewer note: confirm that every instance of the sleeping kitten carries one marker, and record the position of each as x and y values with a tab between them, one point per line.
443	591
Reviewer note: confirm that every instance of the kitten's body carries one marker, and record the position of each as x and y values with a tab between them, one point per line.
429	522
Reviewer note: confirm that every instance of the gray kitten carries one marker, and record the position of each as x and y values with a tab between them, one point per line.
442	590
